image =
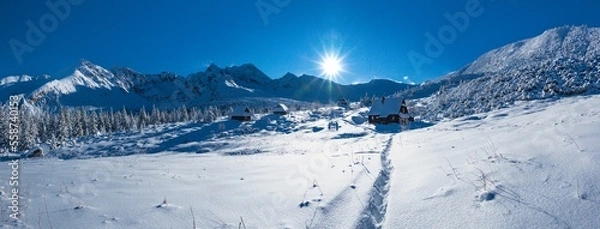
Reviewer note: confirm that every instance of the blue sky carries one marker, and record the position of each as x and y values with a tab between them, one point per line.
376	38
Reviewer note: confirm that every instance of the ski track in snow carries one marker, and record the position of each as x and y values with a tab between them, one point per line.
373	214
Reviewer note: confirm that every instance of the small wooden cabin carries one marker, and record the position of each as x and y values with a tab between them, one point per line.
241	113
342	102
281	109
389	110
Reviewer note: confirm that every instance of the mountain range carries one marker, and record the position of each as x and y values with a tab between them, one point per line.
561	61
95	86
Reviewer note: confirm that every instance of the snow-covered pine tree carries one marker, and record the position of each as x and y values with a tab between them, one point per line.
183	114
194	114
154	116
88	123
124	120
52	125
142	119
43	121
167	116
107	122
30	126
78	123
93	123
101	122
64	125
113	121
210	114
134	122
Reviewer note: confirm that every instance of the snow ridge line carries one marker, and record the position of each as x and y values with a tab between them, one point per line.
374	213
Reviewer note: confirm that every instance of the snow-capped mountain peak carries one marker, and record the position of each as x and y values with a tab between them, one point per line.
575	42
289	75
86	75
212	67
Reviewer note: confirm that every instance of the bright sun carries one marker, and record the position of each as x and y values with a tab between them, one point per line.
331	65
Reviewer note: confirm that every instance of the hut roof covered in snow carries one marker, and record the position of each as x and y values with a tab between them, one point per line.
280	108
241	111
386	106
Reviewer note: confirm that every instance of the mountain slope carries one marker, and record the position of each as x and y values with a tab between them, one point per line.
560	62
310	88
154	89
88	85
567	48
563	43
217	84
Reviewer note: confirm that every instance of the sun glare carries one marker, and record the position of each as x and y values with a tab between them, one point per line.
331	65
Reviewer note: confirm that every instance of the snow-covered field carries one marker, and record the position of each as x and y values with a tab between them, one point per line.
534	165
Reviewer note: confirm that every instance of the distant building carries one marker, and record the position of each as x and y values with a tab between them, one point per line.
281	109
389	110
241	113
36	152
342	102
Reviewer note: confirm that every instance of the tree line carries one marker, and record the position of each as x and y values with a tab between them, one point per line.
56	127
